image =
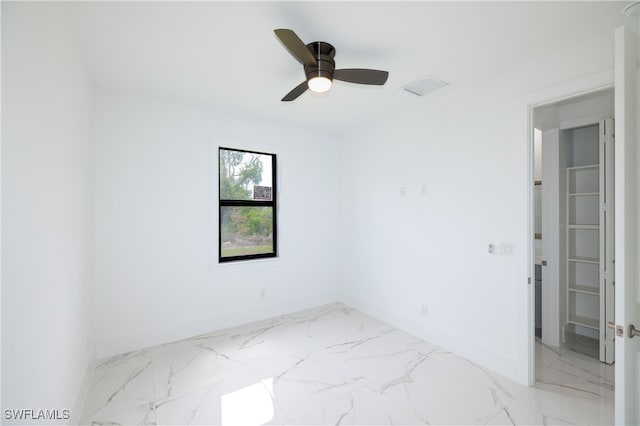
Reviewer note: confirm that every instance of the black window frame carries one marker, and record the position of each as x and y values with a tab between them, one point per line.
250	203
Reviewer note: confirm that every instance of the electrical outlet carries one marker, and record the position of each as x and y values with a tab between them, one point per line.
425	310
492	249
263	293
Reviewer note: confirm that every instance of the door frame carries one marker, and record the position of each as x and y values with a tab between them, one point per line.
571	90
627	51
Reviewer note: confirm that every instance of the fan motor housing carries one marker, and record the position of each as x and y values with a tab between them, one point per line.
324	54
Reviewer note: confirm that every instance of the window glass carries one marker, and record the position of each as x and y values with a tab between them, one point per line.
245	175
247	205
246	230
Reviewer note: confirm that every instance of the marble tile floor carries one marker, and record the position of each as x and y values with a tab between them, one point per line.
333	365
569	371
583	345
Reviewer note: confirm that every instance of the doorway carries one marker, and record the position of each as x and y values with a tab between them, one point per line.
573	245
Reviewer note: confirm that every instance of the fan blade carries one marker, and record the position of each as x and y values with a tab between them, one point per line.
361	76
296	46
297	91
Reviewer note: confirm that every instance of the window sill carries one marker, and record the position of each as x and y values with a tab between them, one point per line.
250	263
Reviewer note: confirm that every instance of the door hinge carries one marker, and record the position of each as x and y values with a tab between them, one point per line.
529	280
609	130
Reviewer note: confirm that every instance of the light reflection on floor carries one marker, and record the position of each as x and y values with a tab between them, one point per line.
251	405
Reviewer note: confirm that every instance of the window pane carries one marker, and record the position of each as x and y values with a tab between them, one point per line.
245	176
246	230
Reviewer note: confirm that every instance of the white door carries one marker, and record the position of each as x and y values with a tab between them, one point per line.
551	295
607	246
627	227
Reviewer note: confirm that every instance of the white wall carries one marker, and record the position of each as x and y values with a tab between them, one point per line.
468	146
157	273
47	336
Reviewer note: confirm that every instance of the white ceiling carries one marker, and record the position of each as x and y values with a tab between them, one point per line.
225	55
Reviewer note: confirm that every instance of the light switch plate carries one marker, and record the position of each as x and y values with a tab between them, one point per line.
506	249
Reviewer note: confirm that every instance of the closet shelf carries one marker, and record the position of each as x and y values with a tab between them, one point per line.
584	321
587	167
584	259
583	194
576	226
584	289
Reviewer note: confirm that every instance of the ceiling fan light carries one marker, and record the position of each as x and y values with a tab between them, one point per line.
319	84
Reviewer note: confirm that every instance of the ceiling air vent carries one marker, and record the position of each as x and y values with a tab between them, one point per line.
424	86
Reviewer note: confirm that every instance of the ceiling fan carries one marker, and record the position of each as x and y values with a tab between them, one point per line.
319	66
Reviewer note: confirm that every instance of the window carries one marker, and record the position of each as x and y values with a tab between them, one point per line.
247	205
